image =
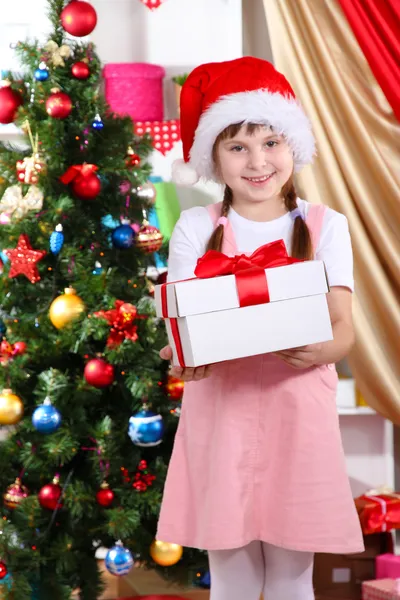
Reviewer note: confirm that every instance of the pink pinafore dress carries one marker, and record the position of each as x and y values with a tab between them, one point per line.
258	455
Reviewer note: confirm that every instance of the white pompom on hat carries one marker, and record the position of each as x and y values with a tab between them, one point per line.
245	90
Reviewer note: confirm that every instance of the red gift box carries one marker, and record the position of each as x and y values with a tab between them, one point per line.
387	565
381	589
378	513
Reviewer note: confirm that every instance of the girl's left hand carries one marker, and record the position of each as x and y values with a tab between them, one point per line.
301	358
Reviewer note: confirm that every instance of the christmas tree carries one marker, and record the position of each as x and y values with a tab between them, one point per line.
80	340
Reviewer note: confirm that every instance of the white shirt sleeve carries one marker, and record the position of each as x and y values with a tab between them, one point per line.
188	242
335	250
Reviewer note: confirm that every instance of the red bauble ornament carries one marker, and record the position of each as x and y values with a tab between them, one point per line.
80	70
133	160
59	105
19	348
3	570
87	188
79	18
10	100
6	348
105	496
149	239
174	387
99	373
50	494
23	259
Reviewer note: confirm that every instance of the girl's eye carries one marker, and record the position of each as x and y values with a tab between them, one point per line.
271	143
236	148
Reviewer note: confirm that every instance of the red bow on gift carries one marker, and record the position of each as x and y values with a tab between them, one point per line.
78	172
249	271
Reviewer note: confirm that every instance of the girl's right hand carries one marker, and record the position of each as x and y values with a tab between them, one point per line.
187	373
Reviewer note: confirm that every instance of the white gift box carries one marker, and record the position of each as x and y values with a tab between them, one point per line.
206	324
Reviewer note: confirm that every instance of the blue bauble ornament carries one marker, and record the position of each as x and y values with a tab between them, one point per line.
146	428
46	418
42	73
119	560
57	240
97	123
123	236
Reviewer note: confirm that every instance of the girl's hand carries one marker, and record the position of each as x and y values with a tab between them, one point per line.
301	358
187	373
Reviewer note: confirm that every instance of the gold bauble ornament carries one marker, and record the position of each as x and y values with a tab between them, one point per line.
11	408
165	554
66	308
15	493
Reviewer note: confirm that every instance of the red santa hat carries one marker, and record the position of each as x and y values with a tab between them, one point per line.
245	90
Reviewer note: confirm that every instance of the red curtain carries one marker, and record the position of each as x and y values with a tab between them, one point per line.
376	25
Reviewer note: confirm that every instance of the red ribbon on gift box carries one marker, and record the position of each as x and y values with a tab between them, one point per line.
249	271
78	172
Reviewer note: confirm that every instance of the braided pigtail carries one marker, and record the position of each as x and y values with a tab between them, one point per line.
301	241
216	239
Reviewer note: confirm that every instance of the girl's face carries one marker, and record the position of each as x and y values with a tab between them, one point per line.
255	163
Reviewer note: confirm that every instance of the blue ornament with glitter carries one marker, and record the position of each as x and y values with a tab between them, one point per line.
97	123
42	73
118	560
146	428
57	240
123	236
46	418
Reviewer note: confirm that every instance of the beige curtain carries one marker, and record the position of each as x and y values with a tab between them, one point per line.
357	172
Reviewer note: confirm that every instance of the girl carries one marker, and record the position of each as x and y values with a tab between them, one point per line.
258	476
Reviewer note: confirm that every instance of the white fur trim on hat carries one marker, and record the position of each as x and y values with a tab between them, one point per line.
283	114
183	173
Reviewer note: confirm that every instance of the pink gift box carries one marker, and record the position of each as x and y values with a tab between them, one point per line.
387	565
135	89
381	589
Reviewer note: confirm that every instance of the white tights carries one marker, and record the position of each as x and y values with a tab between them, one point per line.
245	573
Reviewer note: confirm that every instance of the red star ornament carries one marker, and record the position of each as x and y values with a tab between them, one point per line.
23	259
